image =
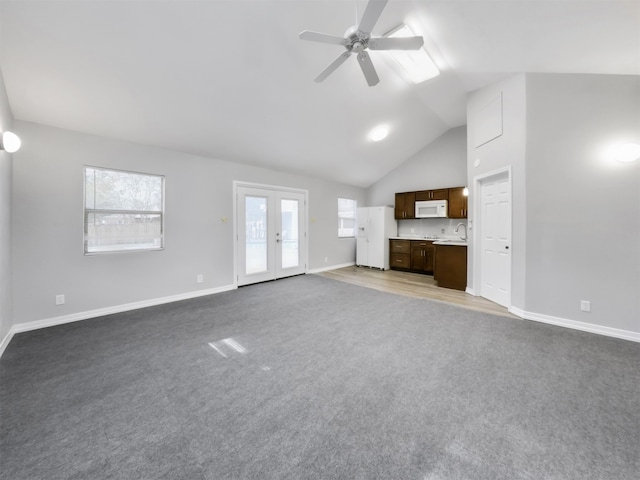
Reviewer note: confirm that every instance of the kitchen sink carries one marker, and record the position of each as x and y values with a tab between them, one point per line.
460	243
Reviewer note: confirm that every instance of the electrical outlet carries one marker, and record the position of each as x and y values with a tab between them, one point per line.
200	278
59	299
326	259
585	305
442	230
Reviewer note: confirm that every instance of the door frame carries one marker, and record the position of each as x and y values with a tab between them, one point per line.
477	228
304	242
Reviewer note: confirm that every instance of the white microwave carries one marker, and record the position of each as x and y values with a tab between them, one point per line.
431	209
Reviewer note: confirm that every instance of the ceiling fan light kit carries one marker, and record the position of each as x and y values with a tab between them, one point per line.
357	39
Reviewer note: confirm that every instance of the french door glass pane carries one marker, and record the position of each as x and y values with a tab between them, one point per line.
256	234
290	241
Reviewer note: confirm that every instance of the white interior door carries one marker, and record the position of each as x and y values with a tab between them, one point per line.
495	239
271	238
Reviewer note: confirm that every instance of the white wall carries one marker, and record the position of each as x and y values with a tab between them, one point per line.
576	214
583	209
48	224
6	162
440	164
507	150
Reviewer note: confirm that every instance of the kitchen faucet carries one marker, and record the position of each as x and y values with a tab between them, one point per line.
465	231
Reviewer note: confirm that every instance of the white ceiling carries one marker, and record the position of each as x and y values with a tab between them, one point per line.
231	80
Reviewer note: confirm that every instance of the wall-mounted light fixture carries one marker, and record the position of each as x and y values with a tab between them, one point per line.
10	142
629	152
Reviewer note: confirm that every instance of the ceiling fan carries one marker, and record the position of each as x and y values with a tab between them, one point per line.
357	39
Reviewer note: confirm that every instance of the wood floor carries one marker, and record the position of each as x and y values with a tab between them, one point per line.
413	285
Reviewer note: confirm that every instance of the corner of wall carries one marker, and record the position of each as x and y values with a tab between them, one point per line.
6	169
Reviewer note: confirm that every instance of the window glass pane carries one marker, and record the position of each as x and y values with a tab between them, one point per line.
123	231
123	211
346	217
116	190
290	242
256	234
89	188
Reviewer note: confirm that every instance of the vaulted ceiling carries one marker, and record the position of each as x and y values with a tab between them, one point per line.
230	79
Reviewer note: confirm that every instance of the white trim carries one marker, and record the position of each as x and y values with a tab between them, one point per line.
536	317
332	267
5	341
275	188
577	325
75	317
470	291
476	208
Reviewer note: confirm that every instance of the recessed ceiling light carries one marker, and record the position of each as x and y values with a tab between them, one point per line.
416	63
379	133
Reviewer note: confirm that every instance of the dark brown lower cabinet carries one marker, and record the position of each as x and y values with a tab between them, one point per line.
400	254
412	255
422	253
451	266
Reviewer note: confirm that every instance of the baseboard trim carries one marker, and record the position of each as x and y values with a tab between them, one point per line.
576	325
470	291
5	341
332	267
75	317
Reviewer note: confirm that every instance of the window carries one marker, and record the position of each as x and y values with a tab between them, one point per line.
346	218
123	211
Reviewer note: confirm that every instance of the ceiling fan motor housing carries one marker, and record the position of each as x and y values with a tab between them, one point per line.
356	39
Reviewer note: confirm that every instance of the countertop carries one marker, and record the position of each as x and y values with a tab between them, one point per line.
451	241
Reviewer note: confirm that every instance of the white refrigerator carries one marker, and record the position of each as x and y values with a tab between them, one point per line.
374	227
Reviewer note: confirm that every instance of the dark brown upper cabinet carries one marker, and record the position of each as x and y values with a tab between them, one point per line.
458	203
405	205
439	194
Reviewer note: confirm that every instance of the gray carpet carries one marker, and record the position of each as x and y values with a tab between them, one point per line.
310	378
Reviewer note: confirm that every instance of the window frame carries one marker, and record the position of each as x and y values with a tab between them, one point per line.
355	221
88	211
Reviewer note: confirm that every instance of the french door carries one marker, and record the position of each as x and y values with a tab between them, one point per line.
271	241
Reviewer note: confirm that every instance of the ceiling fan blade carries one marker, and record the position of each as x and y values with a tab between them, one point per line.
330	69
371	15
367	68
322	37
400	43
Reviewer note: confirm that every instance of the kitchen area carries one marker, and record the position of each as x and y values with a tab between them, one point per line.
425	233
